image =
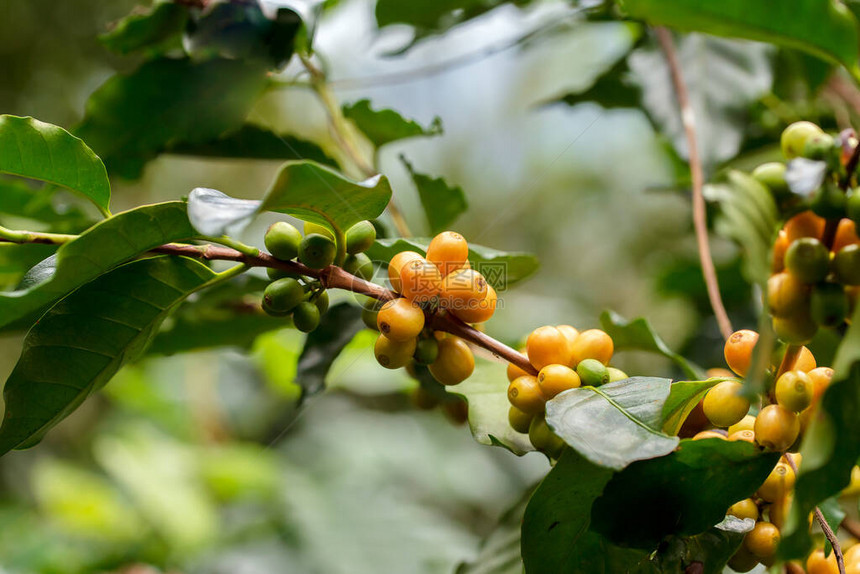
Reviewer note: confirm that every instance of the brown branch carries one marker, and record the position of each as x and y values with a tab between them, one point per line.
699	209
792	352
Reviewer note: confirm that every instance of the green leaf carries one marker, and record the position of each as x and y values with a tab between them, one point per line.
556	536
254	142
98	250
487	395
684	493
385	126
34	149
323	345
638	335
442	203
501	269
821	27
705	553
683	397
20	199
500	551
131	118
749	216
15	260
228	315
615	424
82	342
155	28
321	195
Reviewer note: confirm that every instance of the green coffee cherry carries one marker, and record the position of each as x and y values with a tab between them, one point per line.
820	146
318	229
828	304
322	302
283	295
829	201
794	138
798	329
772	175
616	374
369	311
275	274
426	351
306	317
852	206
359	265
273	312
282	240
360	237
846	264
808	260
317	251
592	373
543	439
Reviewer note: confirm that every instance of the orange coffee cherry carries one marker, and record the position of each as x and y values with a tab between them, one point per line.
762	540
805	361
592	344
776	427
738	350
816	563
820	377
779	249
525	394
514	371
420	281
463	289
396	265
400	319
546	346
455	362
805	224
554	379
449	251
480	311
846	234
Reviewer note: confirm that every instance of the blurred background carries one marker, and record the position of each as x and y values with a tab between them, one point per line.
201	463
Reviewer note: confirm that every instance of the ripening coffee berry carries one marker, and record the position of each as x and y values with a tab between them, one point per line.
724	404
778	484
742	435
543	439
282	240
710	434
283	295
359	265
547	346
797	329
463	289
449	251
828	304
846	264
455	362
400	319
852	207
525	394
393	354
317	251
805	361
306	317
420	281
738	350
746	423
592	344
360	237
592	373
554	379
396	265
772	174
820	147
804	224
794	137
820	378
794	390
369	312
762	540
322	302
616	374
514	371
480	311
786	295
318	229
817	563
519	420
426	351
776	427
746	508
808	260
846	234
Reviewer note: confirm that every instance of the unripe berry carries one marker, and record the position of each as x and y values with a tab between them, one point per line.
393	354
525	394
400	319
820	147
763	540
554	379
455	362
616	374
846	264
547	346
317	251
794	137
852	207
592	372
283	295
828	304
738	350
480	311
776	427
310	227
746	508
449	251
370	312
282	240
396	265
543	439
322	302
306	317
808	260
797	329
778	484
426	351
519	420
592	344
359	265
786	295
420	281
724	405
772	175
360	237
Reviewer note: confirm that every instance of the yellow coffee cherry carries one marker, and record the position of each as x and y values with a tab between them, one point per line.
592	344
514	371
519	420
724	405
400	319
746	423
554	379
744	435
762	540
779	483
543	439
794	390
525	394
746	508
547	346
455	362
393	354
709	434
776	427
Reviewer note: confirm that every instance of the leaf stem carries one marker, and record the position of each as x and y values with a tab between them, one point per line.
11	236
230	242
697	173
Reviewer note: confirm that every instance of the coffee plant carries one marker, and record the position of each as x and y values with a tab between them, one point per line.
748	463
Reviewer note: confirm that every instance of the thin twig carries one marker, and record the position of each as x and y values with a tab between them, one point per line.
698	177
792	352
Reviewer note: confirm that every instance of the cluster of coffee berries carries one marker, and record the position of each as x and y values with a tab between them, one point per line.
441	282
564	358
291	294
